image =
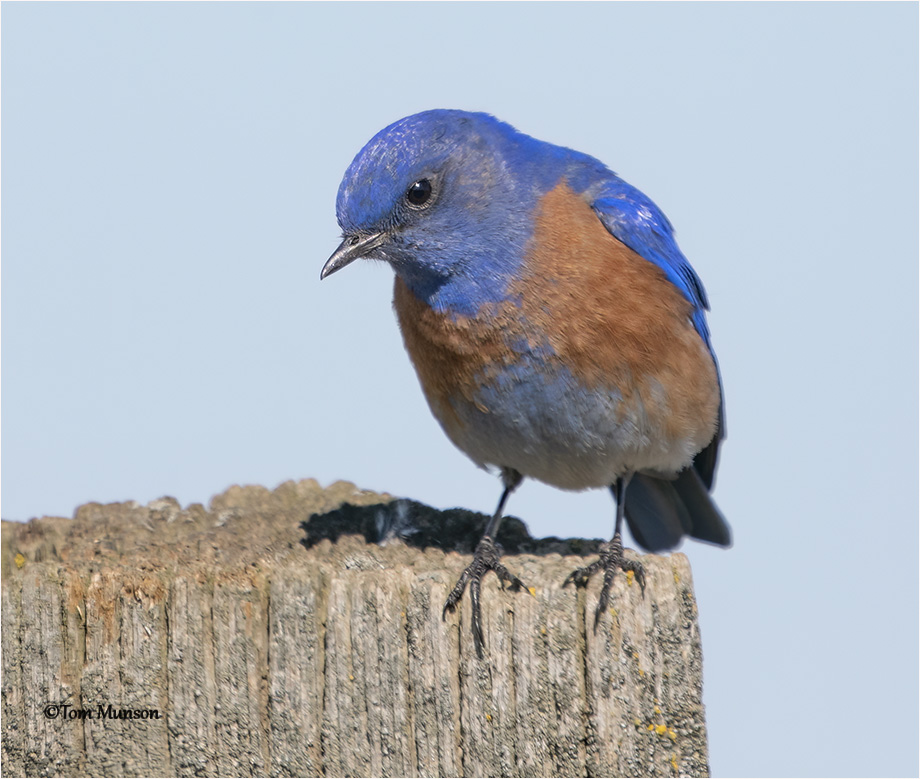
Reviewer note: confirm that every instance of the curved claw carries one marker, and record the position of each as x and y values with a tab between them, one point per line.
485	559
611	560
581	576
457	592
610	570
478	638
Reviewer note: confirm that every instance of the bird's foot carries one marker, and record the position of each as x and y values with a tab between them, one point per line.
485	558
611	560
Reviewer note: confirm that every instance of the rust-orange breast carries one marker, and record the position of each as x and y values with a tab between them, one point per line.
614	320
598	358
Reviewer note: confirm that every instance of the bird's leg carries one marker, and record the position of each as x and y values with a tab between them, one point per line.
612	558
486	558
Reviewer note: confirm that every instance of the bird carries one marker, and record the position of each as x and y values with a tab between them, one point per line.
557	330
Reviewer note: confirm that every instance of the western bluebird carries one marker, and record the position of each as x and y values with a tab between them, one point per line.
557	330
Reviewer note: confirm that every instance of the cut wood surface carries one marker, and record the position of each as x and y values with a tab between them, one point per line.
298	632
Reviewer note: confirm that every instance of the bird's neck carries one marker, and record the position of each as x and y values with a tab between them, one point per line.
459	293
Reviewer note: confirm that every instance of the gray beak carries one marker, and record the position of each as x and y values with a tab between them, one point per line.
354	247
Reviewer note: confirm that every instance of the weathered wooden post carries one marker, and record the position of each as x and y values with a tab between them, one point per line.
264	635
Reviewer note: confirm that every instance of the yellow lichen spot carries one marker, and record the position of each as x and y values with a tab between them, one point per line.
676	577
543	631
674	763
630	576
19	560
637	722
532	591
650	727
657	710
639	667
488	717
351	678
672	735
661	729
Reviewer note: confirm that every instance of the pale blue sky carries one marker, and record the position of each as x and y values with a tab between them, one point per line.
168	183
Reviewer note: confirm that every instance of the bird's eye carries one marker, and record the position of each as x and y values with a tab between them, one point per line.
419	193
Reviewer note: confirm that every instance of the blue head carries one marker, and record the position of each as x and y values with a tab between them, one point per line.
447	198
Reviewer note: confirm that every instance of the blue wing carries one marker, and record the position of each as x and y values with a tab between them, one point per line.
636	221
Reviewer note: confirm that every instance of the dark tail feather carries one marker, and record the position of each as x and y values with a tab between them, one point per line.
656	516
705	462
660	512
